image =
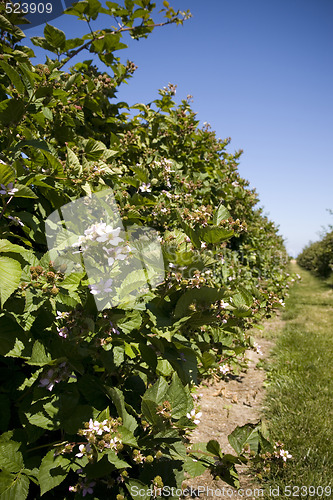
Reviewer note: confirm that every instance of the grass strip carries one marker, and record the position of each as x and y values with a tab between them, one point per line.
299	398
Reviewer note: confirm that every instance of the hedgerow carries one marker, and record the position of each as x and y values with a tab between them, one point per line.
97	400
318	256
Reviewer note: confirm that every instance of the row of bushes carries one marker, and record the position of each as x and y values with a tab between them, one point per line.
318	256
98	397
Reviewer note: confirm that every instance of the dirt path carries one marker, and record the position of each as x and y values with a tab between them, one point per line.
226	405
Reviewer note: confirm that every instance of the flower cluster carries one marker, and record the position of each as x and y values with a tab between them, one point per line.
101	435
55	375
101	232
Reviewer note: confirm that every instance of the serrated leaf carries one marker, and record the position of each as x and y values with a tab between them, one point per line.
11	111
222	213
10	458
194	467
72	162
214	447
11	337
94	149
10	277
24	192
179	397
247	434
214	234
7	174
13	487
39	357
52	472
118	399
13	76
203	295
55	37
7	246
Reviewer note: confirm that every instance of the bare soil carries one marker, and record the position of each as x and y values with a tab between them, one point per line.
228	404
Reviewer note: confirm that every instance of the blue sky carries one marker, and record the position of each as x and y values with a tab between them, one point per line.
261	73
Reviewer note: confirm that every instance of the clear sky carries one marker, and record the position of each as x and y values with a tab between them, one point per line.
261	73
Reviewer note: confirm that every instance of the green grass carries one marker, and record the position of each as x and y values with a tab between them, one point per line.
299	400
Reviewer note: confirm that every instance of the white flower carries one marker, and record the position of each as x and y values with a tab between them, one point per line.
8	190
282	303
83	449
224	369
101	287
118	253
61	315
16	220
284	454
108	234
194	416
224	304
258	348
62	332
145	188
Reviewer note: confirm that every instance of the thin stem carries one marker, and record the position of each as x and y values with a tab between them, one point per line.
120	30
5	206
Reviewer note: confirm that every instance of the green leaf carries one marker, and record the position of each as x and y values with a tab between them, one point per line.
117	462
208	359
153	397
94	149
131	321
134	485
118	399
11	111
24	192
214	234
179	397
10	458
203	296
7	246
13	76
72	162
214	447
39	357
222	213
54	37
127	436
194	467
53	470
13	487
247	434
12	338
7	174
10	277
242	298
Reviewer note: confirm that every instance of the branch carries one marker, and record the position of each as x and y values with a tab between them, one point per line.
120	30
